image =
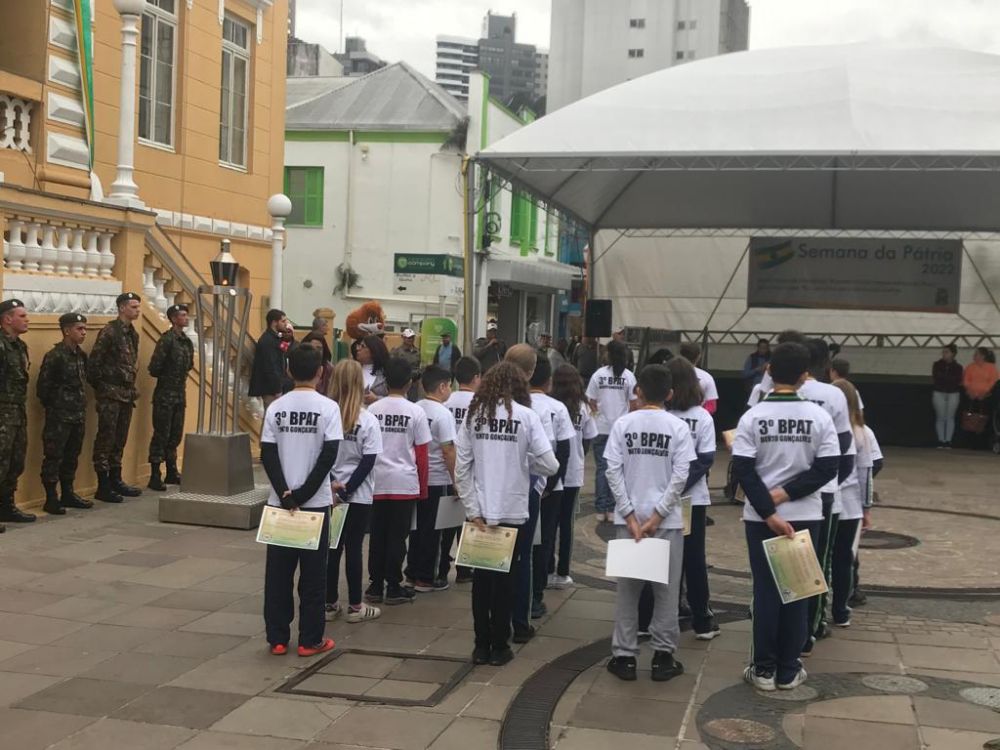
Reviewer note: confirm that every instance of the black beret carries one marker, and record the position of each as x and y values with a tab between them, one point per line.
127	297
10	304
174	309
69	319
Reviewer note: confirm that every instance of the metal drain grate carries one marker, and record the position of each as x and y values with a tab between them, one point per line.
384	677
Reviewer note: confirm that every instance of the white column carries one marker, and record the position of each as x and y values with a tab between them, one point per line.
32	250
279	206
77	255
107	257
15	245
49	252
92	263
124	191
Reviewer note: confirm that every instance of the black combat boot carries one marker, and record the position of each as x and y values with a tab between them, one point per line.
70	499
52	505
105	492
173	476
125	490
155	480
10	513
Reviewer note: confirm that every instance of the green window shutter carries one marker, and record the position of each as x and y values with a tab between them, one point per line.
516	217
304	187
314	197
532	237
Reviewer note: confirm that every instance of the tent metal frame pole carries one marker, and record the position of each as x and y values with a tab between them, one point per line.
729	283
982	281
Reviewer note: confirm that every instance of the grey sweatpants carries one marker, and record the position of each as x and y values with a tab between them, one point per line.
664	628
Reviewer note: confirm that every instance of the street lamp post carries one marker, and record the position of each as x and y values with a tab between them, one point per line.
279	206
124	191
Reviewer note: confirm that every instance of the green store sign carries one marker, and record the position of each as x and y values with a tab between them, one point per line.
442	265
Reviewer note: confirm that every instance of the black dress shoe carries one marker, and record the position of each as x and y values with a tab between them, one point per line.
523	635
501	656
481	655
13	514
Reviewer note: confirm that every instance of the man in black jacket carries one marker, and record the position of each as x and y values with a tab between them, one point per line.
268	374
447	354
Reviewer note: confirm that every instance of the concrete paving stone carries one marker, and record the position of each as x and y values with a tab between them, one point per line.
677	689
160	618
581	593
578	628
491	703
455	702
465	733
35	563
588	610
565	708
981	678
84	697
953	739
181	707
544	647
452	643
342	684
621	713
888	709
400	690
382	727
102	572
958	659
238	677
208	601
195	545
225	741
933	712
232	584
35	629
111	733
429	617
16	686
362	665
389	637
794	725
738	642
857	651
84	609
144	669
947	639
57	661
226	623
855	634
821	733
195	645
425	670
37	730
275	717
109	637
10	649
92	551
514	673
25	602
818	665
183	573
141	559
248	605
574	738
127	593
64	583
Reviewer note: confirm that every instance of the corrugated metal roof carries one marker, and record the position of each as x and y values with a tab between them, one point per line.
396	97
299	90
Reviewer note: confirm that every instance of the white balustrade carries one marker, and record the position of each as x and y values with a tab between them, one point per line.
159	299
47	263
64	255
13	245
148	285
107	257
32	249
15	123
92	261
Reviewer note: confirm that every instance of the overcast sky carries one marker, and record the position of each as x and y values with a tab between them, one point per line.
406	29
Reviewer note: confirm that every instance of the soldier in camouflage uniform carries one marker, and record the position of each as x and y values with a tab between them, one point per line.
61	389
172	360
408	350
111	371
13	394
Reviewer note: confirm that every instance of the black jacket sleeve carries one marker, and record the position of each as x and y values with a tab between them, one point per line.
745	472
562	456
320	473
272	466
846	463
806	483
876	467
268	366
699	468
358	476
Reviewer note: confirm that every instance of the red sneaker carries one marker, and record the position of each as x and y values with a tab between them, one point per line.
326	645
279	649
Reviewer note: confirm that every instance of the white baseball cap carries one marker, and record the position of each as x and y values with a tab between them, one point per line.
619	329
408	333
491	326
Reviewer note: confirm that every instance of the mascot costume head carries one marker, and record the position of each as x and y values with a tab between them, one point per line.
367	320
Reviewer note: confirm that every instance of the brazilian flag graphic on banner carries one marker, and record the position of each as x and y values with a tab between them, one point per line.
85	56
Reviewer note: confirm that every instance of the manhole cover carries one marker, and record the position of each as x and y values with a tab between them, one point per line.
876	539
894	683
984	696
389	678
740	730
800	693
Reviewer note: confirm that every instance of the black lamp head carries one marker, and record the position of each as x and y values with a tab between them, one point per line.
225	269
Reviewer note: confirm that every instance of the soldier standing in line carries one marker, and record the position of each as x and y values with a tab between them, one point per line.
408	350
13	394
172	359
111	371
61	390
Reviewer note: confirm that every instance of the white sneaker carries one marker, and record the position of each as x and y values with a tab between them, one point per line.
560	582
366	613
797	680
760	680
332	612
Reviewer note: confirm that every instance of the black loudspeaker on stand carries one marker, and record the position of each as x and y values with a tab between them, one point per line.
597	323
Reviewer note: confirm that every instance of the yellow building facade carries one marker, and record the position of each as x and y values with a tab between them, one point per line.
82	219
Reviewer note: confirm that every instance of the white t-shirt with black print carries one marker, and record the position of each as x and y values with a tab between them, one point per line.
709	390
612	394
585	428
785	436
442	426
364	440
404	425
299	423
703	437
458	405
834	402
855	489
555	414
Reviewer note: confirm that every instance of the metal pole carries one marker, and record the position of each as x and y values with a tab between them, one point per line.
241	342
470	255
226	347
215	365
277	247
203	364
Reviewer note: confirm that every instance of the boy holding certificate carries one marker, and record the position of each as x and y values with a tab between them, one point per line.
298	447
649	454
786	450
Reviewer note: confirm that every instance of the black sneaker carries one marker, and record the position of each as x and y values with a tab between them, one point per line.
807	650
523	635
709	521
707	629
538	610
373	594
481	655
858	598
399	595
823	631
665	666
501	656
623	667
463	576
440	584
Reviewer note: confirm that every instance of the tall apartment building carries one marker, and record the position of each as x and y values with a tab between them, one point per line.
457	57
596	44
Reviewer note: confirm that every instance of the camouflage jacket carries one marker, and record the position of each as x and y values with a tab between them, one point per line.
61	383
172	359
13	376
411	355
114	361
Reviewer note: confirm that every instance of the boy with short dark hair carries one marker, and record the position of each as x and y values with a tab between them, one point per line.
785	451
400	481
298	447
468	373
649	455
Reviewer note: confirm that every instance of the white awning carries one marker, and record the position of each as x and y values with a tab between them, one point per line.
540	275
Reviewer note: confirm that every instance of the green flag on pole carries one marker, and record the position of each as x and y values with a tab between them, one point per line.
85	57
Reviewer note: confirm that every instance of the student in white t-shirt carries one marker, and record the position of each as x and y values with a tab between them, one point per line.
710	393
784	453
649	455
353	483
788	336
467	374
500	445
568	388
425	540
685	404
611	393
298	448
400	481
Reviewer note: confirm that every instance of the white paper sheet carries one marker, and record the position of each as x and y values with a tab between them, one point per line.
648	560
451	513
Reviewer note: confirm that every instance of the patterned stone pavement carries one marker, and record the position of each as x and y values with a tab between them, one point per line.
120	632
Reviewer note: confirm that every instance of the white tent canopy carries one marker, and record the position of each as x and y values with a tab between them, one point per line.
837	137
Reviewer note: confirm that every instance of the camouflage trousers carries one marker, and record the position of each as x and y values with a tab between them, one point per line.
13	447
113	420
168	429
62	442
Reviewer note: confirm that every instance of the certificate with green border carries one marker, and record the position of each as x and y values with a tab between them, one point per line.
795	567
491	548
299	530
338	517
686	513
